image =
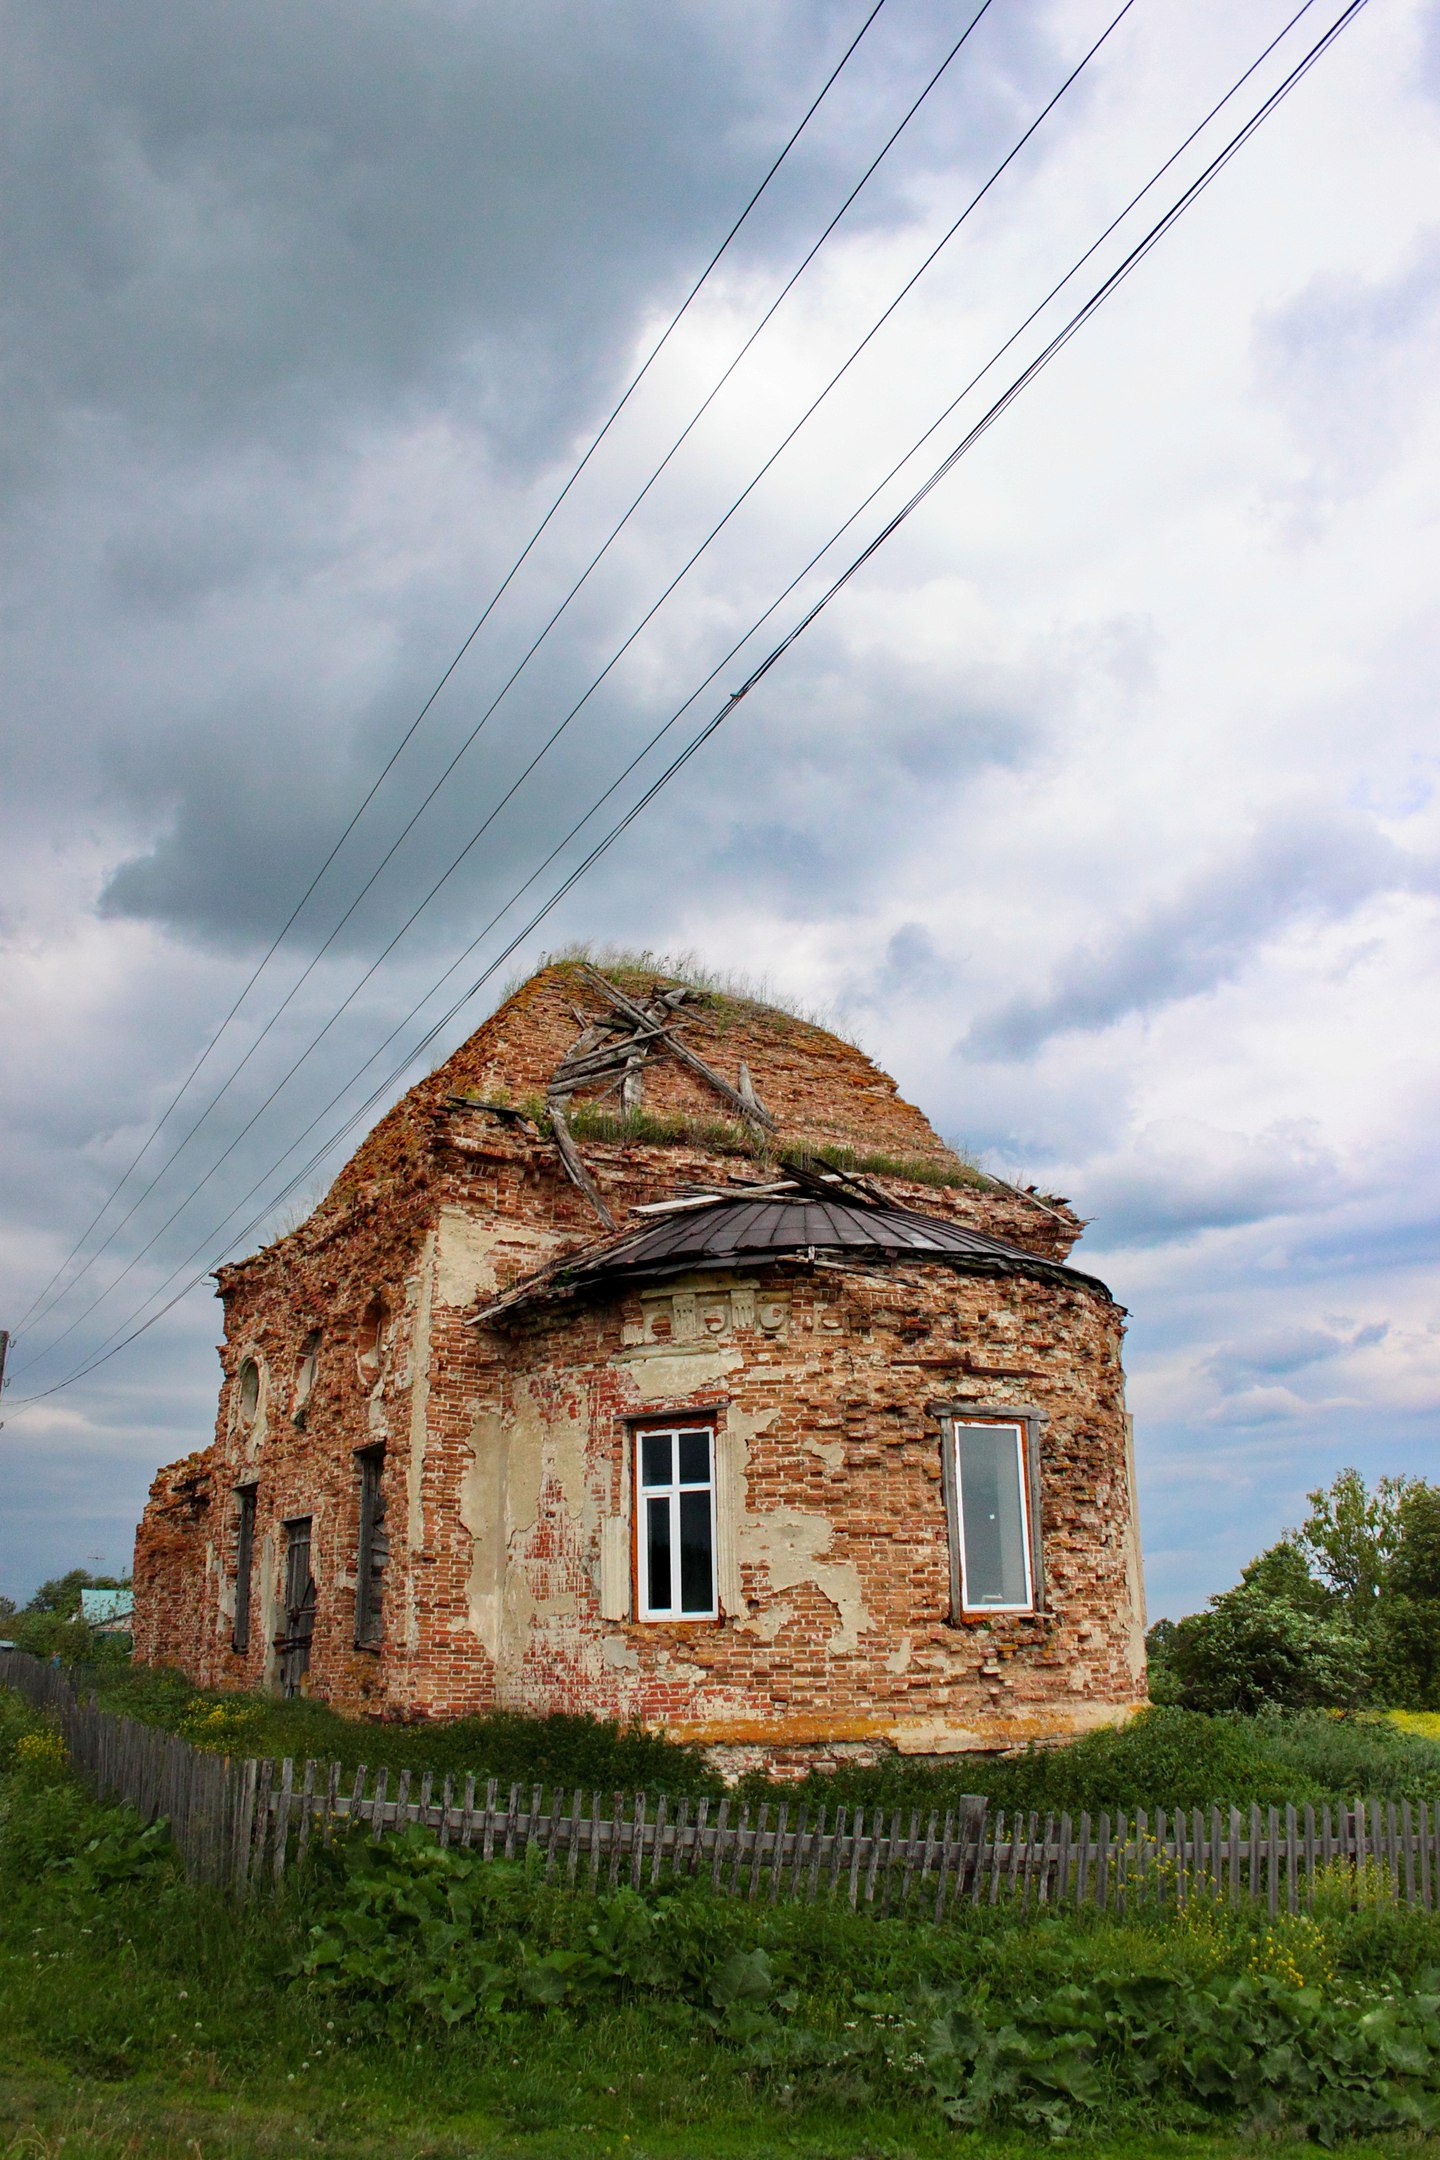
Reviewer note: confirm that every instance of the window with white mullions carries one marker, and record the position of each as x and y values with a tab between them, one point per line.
992	1503
675	1523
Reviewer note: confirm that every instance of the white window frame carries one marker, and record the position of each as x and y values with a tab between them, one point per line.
1024	1439
644	1494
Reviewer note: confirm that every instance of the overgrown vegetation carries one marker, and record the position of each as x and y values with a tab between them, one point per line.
725	989
50	1624
1167	1757
557	1749
724	1136
406	1998
1345	1610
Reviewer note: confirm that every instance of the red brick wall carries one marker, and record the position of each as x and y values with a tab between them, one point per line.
503	1450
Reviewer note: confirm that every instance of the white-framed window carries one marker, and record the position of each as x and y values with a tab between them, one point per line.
993	1515
675	1522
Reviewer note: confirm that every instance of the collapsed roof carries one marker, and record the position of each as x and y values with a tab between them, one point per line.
737	1228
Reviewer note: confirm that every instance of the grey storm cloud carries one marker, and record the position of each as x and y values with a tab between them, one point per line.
1299	866
221	214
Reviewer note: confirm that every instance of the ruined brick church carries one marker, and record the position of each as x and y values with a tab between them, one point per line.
653	1357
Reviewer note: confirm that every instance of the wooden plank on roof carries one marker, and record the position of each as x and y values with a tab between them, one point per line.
752	1111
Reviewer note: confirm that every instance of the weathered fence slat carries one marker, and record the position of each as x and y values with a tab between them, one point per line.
244	1823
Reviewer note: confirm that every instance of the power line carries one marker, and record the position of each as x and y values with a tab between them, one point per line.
508	685
632	386
930	258
1042	360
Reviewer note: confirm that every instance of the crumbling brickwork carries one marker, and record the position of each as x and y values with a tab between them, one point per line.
503	1558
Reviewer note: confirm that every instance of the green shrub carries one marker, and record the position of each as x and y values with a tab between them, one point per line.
1253	1650
559	1749
1280	2057
1349	1756
1163	1758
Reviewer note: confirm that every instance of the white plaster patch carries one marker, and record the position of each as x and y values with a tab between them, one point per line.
789	1545
419	1361
829	1452
661	1372
467	1246
464	1257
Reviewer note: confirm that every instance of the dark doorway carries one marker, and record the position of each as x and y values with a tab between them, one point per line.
294	1643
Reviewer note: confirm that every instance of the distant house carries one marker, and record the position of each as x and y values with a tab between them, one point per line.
108	1612
654	1358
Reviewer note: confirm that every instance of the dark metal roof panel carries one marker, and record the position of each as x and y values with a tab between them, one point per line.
749	1233
735	1229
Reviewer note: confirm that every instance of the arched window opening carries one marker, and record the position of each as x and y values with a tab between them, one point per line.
305	1367
370	1346
248	1387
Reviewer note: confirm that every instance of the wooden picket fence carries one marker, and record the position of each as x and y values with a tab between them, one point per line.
244	1825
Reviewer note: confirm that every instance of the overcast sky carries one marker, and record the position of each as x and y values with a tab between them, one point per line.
1102	806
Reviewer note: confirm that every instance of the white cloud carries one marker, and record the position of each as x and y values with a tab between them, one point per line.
1118	766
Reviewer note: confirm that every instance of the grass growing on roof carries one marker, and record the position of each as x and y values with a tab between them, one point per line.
729	992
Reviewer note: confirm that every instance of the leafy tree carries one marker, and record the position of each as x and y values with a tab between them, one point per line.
8	1608
61	1594
1284	1572
1351	1535
1165	1684
1408	1610
1255	1651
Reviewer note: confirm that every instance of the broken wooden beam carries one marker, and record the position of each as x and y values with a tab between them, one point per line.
752	1111
569	1155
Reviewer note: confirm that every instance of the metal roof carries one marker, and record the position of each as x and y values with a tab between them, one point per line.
736	1232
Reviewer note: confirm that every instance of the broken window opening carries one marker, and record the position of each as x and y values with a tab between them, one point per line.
675	1522
993	1517
372	1553
245	1498
294	1644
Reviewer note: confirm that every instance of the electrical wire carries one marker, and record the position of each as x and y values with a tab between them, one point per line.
1049	352
930	258
627	394
218	1097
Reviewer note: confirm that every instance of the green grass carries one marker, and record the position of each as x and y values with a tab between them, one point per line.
1167	1757
725	1136
141	2016
554	1750
914	1169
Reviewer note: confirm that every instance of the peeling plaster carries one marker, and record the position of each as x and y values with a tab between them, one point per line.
269	1606
899	1658
662	1373
419	1362
514	1459
788	1544
466	1246
829	1452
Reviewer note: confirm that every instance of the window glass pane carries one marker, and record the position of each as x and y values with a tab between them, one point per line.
657	1554
694	1458
992	1509
655	1453
697	1564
